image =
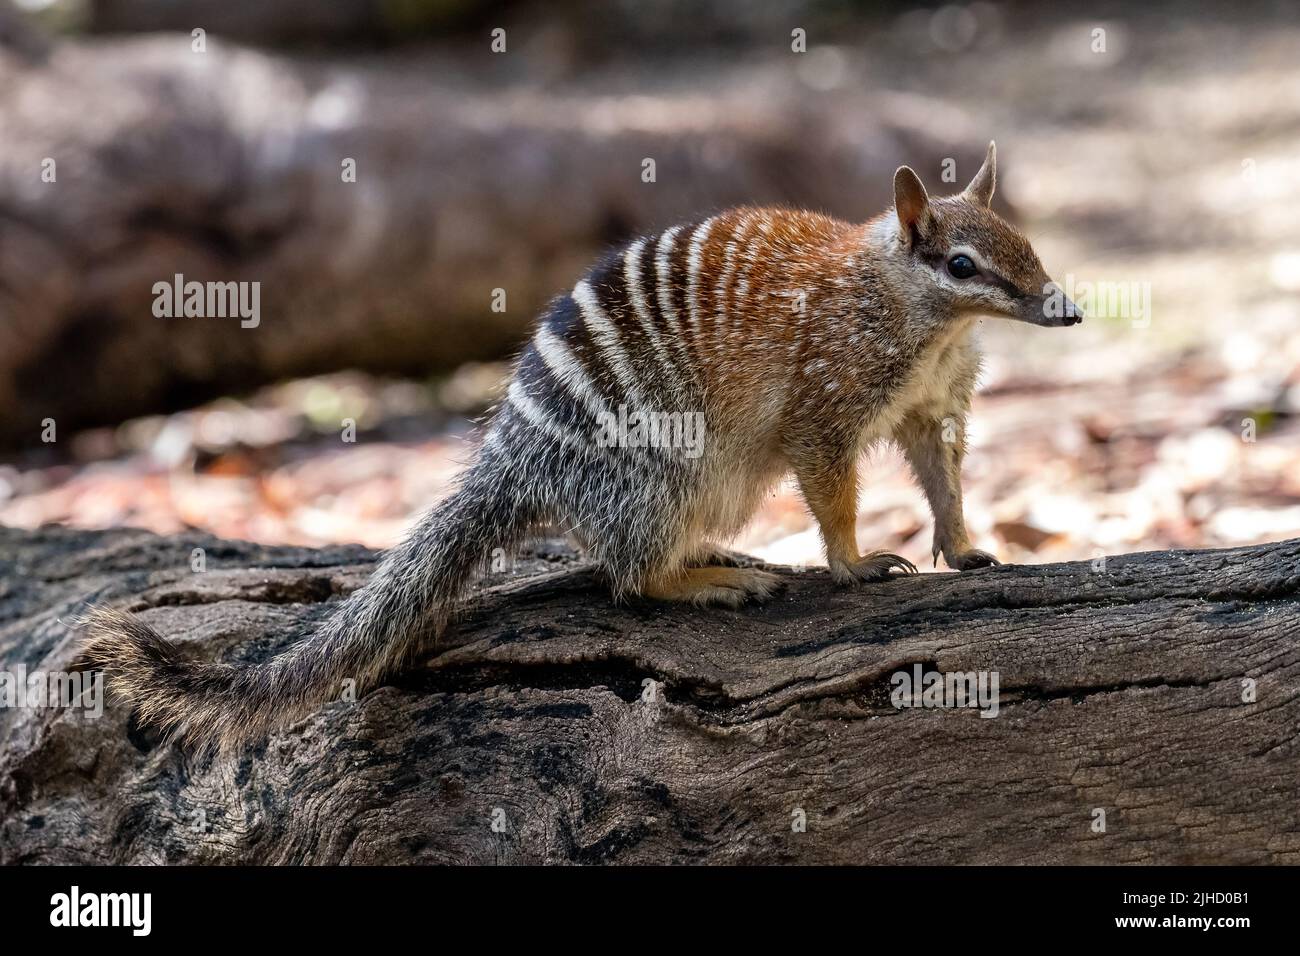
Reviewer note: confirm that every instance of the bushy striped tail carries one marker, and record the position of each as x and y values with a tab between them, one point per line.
374	632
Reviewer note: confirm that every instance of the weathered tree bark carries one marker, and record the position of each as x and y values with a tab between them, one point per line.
127	162
594	733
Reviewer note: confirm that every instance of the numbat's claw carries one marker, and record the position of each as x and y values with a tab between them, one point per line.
872	567
969	560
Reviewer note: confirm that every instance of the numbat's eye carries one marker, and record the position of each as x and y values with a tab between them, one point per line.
961	267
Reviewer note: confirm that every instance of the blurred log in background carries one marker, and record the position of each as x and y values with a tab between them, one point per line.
236	164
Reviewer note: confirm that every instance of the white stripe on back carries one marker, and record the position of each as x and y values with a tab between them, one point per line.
663	271
536	415
728	273
568	371
632	278
694	261
742	282
606	339
521	400
664	293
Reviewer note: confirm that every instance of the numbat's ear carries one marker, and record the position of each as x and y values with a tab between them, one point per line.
980	189
910	202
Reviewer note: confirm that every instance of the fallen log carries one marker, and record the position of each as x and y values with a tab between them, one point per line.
1147	712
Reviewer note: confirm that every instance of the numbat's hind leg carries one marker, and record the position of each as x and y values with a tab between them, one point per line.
711	555
729	587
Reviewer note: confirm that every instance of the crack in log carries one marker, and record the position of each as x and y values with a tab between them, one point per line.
624	676
313	589
1079	693
872	693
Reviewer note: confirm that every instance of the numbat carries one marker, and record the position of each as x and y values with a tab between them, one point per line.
657	404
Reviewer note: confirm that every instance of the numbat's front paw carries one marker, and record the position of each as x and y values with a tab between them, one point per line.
969	560
875	566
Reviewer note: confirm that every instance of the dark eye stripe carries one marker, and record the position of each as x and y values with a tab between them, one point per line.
1001	283
939	263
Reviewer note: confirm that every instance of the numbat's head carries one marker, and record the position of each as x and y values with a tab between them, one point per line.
969	258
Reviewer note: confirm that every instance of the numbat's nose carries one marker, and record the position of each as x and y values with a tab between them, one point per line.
1063	306
1072	315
